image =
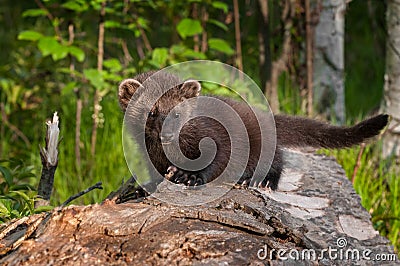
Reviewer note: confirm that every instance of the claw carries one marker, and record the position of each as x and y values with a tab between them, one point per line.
172	169
178	176
245	182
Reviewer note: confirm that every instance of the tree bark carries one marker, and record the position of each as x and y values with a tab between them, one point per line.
239	59
315	208
391	141
264	44
309	57
329	59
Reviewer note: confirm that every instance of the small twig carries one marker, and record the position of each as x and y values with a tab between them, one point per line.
98	185
50	17
12	127
309	60
204	18
239	59
196	38
145	39
358	163
127	56
71	33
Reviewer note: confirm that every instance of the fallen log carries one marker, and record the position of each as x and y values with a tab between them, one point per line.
314	218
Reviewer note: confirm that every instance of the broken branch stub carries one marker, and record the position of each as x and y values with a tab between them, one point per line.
49	156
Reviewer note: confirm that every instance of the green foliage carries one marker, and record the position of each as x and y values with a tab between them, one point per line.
16	192
189	27
220	45
365	56
159	57
29	35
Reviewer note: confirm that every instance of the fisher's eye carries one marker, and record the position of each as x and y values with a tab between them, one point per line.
151	114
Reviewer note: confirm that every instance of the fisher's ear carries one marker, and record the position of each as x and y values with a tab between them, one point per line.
125	91
190	88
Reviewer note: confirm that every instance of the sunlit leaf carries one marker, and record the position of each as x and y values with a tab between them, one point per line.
113	64
160	56
219	24
112	24
34	13
142	22
188	27
95	77
77	52
78	6
220	5
50	46
60	53
220	45
47	45
189	53
30	35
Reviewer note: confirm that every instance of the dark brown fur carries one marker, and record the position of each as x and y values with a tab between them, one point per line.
291	131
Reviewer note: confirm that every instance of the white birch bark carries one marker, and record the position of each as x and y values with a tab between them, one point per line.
391	105
329	59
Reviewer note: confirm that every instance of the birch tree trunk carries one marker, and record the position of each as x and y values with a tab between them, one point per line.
329	59
391	142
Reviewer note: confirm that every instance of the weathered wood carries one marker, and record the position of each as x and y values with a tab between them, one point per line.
49	156
315	208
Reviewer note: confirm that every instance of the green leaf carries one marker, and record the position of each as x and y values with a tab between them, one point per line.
23	187
95	77
60	53
43	209
50	46
113	64
220	45
34	13
78	6
112	77
30	35
188	27
14	193
142	22
47	45
220	5
68	88
160	56
77	52
7	175
189	53
219	24
112	24
67	70
177	49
